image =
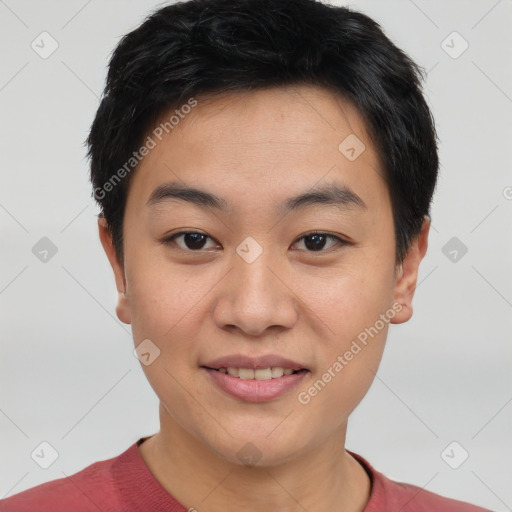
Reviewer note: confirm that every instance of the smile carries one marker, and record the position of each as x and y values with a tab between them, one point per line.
255	386
274	372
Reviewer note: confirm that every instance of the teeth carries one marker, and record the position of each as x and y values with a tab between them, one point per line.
263	374
260	374
233	372
277	372
246	373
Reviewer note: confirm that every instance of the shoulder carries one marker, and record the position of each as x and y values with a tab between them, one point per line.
412	498
90	489
391	496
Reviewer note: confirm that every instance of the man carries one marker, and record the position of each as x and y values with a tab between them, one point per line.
264	170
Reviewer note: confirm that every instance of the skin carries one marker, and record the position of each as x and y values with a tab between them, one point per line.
256	149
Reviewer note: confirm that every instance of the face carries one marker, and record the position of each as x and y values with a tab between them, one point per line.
290	266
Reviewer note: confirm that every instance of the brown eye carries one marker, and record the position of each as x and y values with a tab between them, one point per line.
317	242
191	241
194	241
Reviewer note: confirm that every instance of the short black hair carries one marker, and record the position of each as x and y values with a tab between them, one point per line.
213	46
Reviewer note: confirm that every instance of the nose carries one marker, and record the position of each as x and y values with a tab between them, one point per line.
255	296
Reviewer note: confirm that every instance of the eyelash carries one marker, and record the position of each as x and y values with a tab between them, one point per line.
341	242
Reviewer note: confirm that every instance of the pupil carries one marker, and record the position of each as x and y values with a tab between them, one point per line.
194	240
315	245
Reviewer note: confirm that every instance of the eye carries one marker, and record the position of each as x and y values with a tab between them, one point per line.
195	241
192	240
316	241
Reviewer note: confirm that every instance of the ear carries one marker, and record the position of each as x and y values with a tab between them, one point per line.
407	274
123	305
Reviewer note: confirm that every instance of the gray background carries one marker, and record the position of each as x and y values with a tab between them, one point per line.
68	375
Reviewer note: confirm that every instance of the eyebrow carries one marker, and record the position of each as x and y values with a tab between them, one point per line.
328	194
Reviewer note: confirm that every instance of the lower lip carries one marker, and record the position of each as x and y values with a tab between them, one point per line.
255	390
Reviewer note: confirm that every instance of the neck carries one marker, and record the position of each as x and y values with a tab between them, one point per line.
324	478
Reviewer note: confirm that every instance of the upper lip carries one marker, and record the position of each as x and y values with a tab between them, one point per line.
242	361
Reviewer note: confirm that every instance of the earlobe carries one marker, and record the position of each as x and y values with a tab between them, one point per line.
123	305
407	274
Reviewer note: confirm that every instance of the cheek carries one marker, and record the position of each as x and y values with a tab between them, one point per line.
162	295
163	304
355	311
349	355
346	300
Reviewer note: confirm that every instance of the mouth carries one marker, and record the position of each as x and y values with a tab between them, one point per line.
254	378
260	374
255	385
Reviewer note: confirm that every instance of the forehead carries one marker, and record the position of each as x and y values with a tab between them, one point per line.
257	144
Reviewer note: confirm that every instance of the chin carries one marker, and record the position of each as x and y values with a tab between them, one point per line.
258	447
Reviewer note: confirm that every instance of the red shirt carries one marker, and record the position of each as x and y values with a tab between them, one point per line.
125	484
